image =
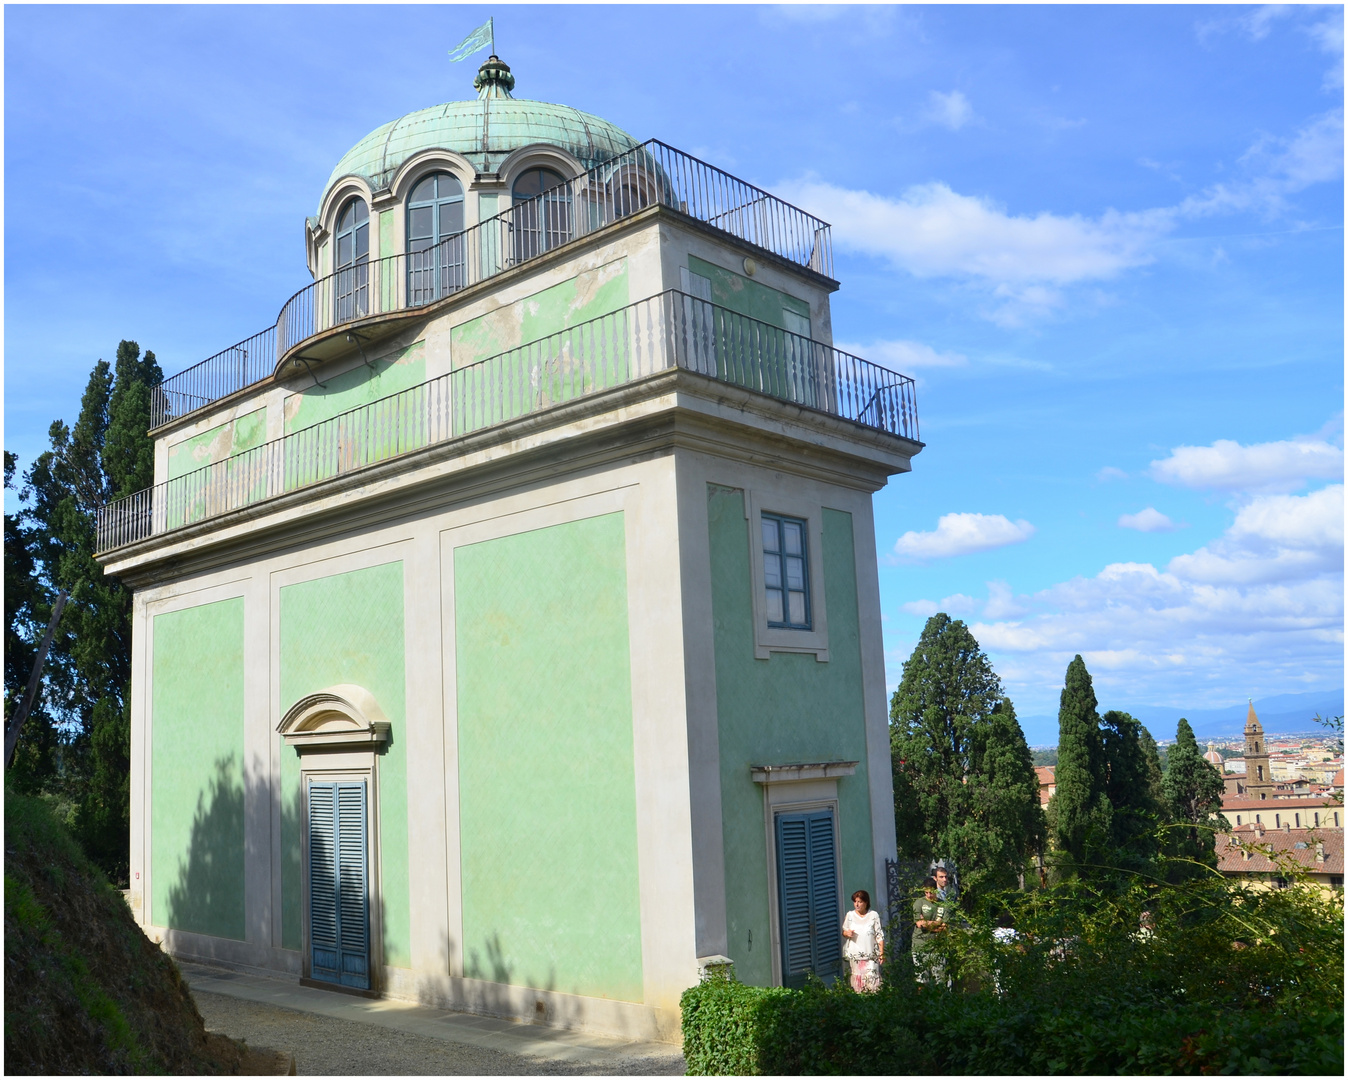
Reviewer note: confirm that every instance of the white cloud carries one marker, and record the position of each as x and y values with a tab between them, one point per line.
1109	472
1027	262
905	356
1279	167
931	231
1001	604
1148	520
1260	606
1323	23
1226	465
956	605
1275	538
950	110
963	534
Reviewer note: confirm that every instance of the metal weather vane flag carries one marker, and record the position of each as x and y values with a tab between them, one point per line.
484	35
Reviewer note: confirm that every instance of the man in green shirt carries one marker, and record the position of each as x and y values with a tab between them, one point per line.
928	921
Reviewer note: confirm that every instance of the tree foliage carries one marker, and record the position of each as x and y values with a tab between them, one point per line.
1193	789
1080	814
1135	811
964	784
76	746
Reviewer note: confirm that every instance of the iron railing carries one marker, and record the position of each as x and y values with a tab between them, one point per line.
250	361
650	173
669	330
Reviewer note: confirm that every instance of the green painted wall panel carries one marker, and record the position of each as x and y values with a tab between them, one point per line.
348	628
579	299
359	386
196	770
240	434
789	708
748	297
547	791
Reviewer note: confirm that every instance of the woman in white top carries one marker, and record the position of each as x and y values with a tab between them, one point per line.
863	943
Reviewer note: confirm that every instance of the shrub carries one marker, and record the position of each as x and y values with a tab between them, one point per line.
1225	980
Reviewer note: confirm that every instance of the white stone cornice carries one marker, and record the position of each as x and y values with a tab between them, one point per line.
786	774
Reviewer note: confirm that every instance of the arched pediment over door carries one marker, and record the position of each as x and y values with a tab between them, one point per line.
340	717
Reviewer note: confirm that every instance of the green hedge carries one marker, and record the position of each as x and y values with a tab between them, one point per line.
1224	980
735	1030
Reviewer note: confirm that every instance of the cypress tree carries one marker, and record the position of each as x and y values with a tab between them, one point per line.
1193	790
1134	812
27	611
1079	814
107	454
1155	774
964	785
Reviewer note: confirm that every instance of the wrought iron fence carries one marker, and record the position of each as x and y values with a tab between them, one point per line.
669	330
650	173
251	360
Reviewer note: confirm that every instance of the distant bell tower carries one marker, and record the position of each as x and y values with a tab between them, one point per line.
1258	778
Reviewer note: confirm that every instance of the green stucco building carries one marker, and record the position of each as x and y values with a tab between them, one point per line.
506	625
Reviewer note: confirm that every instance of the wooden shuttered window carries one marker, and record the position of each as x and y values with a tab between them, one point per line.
807	872
339	908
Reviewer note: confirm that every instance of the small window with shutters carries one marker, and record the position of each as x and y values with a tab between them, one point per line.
807	894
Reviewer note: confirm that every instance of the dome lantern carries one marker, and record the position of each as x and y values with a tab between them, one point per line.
493	79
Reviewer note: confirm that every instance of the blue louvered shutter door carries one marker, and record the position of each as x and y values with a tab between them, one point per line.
793	870
323	927
352	886
824	894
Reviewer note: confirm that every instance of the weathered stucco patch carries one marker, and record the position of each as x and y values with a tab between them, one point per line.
751	298
392	373
586	296
234	437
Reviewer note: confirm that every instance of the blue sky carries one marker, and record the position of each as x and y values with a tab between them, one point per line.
1106	240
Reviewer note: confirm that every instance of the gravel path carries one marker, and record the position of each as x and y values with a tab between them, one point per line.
340	1047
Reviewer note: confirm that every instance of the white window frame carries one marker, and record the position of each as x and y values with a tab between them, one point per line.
771	639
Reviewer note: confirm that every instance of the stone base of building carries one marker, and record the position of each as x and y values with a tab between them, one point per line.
571	1012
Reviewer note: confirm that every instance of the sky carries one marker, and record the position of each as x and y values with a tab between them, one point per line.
1107	242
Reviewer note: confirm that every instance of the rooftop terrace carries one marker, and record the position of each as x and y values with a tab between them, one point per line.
652	173
669	331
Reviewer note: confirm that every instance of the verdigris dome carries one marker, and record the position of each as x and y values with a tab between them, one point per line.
485	130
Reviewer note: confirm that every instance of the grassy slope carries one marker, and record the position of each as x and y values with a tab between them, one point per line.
85	990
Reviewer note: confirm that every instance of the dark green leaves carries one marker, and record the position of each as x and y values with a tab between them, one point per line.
964	785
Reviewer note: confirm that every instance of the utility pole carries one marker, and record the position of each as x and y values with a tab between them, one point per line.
30	695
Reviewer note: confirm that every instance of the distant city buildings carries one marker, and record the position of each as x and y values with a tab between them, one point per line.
1271	857
1283	802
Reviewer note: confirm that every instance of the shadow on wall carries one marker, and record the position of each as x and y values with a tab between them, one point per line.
208	895
292	849
492	993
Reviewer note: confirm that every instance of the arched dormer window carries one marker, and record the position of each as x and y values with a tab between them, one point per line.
351	284
435	262
541	224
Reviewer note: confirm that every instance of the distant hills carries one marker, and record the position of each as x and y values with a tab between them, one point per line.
1280	714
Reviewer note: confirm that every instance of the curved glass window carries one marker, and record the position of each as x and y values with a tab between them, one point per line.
435	265
351	277
540	224
628	192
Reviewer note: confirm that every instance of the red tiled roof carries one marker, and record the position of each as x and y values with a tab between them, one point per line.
1047	783
1338	779
1232	849
1244	802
